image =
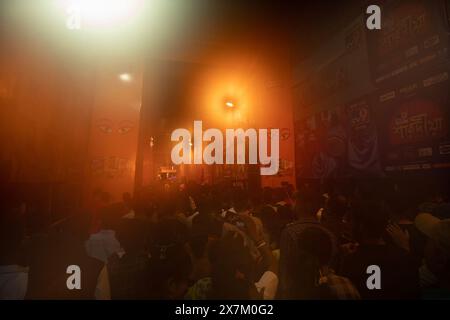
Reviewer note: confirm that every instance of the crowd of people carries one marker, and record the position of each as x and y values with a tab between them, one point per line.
195	242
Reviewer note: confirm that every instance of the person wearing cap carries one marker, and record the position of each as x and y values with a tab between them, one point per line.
435	270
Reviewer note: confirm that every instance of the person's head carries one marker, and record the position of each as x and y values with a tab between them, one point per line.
437	250
337	206
207	225
277	195
307	201
286	214
182	204
170	268
288	188
371	218
232	269
314	253
205	204
241	201
272	224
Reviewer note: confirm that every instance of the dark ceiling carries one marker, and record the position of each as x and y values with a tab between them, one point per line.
267	22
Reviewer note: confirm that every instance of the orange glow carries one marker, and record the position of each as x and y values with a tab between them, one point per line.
218	84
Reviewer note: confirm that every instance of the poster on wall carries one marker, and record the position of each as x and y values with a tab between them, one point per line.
321	149
362	145
413	38
338	143
413	121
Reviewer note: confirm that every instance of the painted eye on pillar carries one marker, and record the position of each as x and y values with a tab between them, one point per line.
124	130
105	129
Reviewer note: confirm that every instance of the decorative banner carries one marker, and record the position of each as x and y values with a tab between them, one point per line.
412	39
363	154
338	143
414	124
321	144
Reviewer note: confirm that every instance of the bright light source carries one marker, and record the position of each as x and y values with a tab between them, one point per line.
229	104
125	77
100	13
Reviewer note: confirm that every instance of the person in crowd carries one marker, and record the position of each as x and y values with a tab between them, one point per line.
404	204
170	263
268	198
433	199
13	274
437	202
233	221
169	272
103	244
234	269
145	204
272	228
190	210
128	268
200	244
282	199
242	206
403	233
52	257
312	276
100	199
399	275
273	222
334	216
206	232
307	205
129	206
201	268
198	241
435	270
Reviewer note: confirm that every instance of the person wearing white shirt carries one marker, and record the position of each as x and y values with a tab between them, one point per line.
13	282
13	276
103	244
